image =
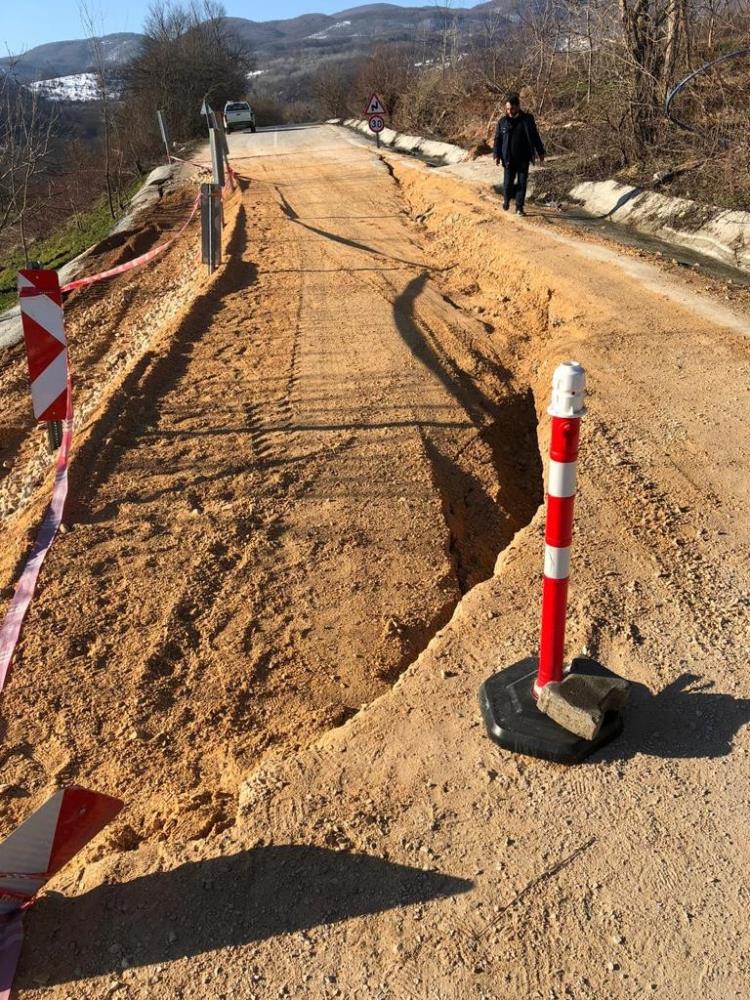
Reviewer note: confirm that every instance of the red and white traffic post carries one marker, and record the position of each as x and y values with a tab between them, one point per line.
523	705
46	348
566	410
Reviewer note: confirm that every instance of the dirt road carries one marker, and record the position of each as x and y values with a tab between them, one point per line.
289	478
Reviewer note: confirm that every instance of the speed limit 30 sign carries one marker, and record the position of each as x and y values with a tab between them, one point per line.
377	123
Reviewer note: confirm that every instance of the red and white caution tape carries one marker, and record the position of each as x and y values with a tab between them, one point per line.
19	605
230	181
231	174
42	314
11	939
137	261
192	163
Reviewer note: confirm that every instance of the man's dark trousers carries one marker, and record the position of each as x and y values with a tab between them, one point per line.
515	179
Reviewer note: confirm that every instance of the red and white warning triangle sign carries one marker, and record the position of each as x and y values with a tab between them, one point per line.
37	849
375	106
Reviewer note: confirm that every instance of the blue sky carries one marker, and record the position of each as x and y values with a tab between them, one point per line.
26	23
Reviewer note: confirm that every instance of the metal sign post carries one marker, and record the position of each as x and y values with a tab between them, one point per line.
164	132
217	156
211	226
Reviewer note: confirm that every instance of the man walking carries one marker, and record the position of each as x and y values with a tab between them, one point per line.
517	144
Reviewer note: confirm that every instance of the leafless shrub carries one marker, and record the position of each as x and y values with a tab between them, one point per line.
189	52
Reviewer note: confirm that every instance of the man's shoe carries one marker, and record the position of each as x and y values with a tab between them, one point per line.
506	206
520	211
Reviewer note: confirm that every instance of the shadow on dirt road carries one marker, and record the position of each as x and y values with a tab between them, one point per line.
686	719
200	906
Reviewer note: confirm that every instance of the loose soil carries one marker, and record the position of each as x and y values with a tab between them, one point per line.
291	484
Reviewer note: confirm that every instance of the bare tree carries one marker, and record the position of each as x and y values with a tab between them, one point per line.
333	86
389	71
188	51
26	131
104	96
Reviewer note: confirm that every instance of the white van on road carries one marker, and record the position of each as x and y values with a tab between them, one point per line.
238	114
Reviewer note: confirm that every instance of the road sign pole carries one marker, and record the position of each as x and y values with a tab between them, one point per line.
54	427
375	112
376	124
46	348
54	435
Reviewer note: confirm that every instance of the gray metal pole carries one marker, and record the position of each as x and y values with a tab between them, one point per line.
216	122
164	132
211	226
217	157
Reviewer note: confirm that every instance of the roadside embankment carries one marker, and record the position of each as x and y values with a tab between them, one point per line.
705	230
160	182
108	326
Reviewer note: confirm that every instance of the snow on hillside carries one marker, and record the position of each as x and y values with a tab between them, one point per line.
117	50
76	87
322	35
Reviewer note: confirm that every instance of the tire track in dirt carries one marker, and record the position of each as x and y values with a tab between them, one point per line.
107	327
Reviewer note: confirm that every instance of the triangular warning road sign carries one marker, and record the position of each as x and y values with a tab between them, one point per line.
375	106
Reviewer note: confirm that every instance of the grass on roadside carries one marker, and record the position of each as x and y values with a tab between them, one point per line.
60	246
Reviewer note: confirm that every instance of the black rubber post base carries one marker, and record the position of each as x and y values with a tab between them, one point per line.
515	723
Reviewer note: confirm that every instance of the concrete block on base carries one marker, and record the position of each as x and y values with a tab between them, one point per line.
580	702
514	722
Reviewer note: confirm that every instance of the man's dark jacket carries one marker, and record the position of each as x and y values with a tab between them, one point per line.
533	143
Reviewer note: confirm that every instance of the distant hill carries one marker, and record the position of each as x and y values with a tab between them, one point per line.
57	59
358	28
351	31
